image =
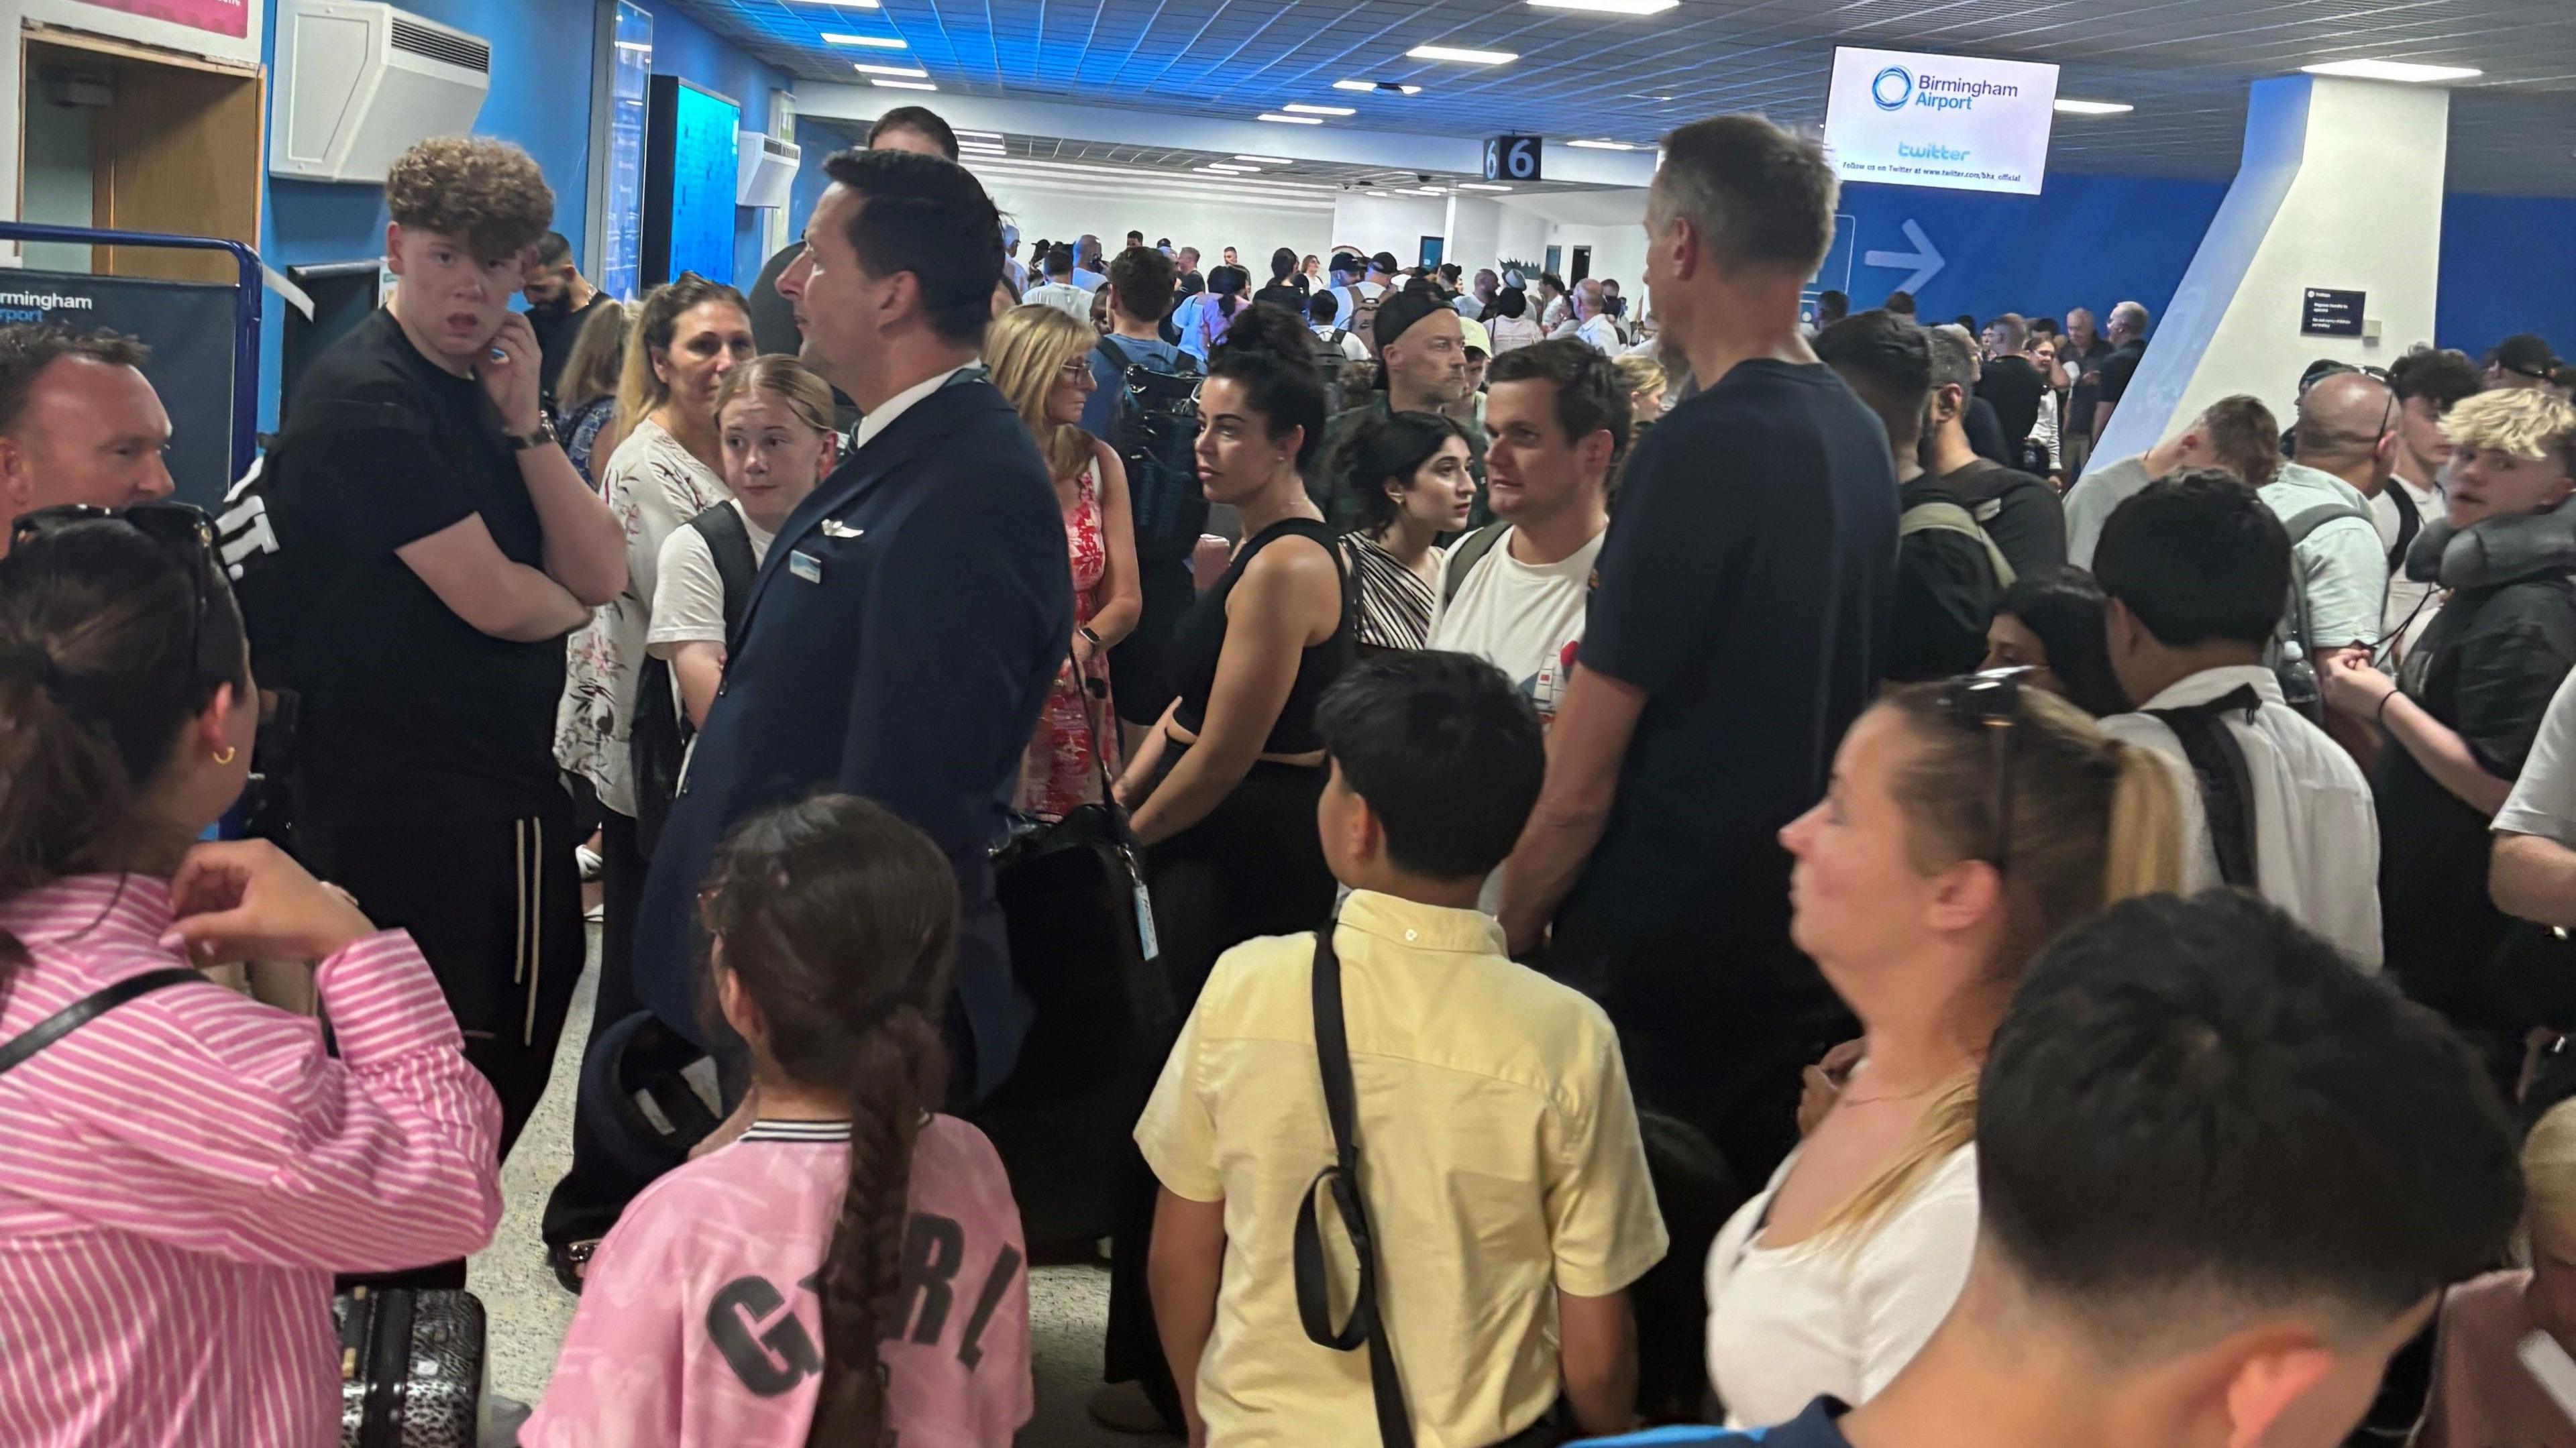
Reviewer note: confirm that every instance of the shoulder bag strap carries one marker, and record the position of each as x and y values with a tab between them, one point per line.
2226	784
89	1008
1341	1179
1471	551
729	545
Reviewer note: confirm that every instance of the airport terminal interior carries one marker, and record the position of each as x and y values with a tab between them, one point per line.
1804	722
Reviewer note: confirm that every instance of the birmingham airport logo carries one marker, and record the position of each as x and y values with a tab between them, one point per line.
1892	88
1895	87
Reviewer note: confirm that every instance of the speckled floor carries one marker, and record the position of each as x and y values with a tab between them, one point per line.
529	1312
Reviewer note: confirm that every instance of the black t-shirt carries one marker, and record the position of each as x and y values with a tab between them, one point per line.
2118	368
2014	387
2487	668
1745	588
1986	434
404	703
1945	596
2023	514
1280	294
2085	389
557	328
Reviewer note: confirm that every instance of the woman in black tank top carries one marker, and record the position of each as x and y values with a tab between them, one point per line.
1224	787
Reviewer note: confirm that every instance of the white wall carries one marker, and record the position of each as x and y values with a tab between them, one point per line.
1389	223
1475	226
1521	235
1061	212
2340	186
57	185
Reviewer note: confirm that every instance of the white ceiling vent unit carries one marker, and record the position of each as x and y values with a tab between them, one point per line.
358	83
765	170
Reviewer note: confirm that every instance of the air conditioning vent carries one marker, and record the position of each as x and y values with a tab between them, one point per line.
441	45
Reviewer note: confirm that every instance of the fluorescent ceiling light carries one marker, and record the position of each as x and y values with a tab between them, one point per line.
2094	108
912	72
1610	7
1268	160
873	42
1602	145
903	84
1463	57
1302	109
1380	87
2405	70
984	148
1481	186
979	135
1225	170
1290	120
1377	193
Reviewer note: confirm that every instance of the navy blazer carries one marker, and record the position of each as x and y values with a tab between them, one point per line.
898	644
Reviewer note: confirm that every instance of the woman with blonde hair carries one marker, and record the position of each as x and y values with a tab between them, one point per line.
1644	379
665	468
1041	360
2501	1357
587	391
1966	824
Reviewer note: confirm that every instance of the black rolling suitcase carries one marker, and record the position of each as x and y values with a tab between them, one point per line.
411	1368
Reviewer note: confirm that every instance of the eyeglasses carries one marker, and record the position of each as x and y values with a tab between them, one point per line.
1992	701
182	530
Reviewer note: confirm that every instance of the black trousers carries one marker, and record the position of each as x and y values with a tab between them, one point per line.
495	905
587	1201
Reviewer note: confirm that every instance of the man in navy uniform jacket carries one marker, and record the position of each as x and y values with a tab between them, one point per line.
912	613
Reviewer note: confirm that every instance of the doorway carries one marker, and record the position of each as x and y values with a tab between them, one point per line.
1582	265
134	138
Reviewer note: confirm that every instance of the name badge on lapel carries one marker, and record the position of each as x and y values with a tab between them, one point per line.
835	528
805	566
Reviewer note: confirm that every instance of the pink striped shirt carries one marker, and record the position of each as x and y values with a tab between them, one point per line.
182	1176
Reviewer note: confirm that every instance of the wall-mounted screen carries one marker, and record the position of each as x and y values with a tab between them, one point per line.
1940	120
689	158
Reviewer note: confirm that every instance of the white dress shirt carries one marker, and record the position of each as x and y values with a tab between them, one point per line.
2316	836
895	406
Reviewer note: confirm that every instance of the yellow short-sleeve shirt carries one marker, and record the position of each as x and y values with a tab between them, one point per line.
1499	1158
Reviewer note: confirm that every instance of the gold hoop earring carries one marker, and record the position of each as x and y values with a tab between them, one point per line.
227	756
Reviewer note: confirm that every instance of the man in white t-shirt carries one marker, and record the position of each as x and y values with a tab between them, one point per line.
1514	593
2428	384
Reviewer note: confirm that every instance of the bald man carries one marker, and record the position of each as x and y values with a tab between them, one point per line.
2347	439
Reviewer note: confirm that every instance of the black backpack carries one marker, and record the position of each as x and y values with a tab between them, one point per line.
1155	431
658	742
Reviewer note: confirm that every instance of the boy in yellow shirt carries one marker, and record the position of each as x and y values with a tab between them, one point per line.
1501	1165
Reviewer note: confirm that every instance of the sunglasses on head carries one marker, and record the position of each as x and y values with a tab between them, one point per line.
1992	701
183	531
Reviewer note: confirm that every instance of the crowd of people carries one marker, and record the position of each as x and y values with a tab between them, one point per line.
1817	910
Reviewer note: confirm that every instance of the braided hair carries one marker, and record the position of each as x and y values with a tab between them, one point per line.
837	922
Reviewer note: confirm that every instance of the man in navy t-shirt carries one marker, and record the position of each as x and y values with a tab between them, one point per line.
2222	1177
1737	630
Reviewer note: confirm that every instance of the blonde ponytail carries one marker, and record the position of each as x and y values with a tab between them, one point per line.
2144	853
1948	1122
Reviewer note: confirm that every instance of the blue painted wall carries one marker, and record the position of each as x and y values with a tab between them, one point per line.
540	99
817	140
2088	241
2508	265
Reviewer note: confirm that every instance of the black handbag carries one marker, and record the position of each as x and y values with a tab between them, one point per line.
412	1368
1073	900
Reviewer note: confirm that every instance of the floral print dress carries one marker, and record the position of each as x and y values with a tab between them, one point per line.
1059	772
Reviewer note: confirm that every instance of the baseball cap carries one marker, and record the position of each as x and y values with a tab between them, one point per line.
1384	261
1475	335
1397	314
2528	355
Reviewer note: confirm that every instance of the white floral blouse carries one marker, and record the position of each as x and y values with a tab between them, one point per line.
653	485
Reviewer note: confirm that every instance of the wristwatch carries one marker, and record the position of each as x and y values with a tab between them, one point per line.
545	433
1086	632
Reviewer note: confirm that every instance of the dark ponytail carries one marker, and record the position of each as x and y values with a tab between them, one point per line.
1228	282
1271	355
99	647
838	922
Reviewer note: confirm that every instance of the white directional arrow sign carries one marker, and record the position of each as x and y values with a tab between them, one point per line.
1925	258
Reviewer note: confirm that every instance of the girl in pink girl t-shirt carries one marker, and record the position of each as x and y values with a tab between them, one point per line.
850	1270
